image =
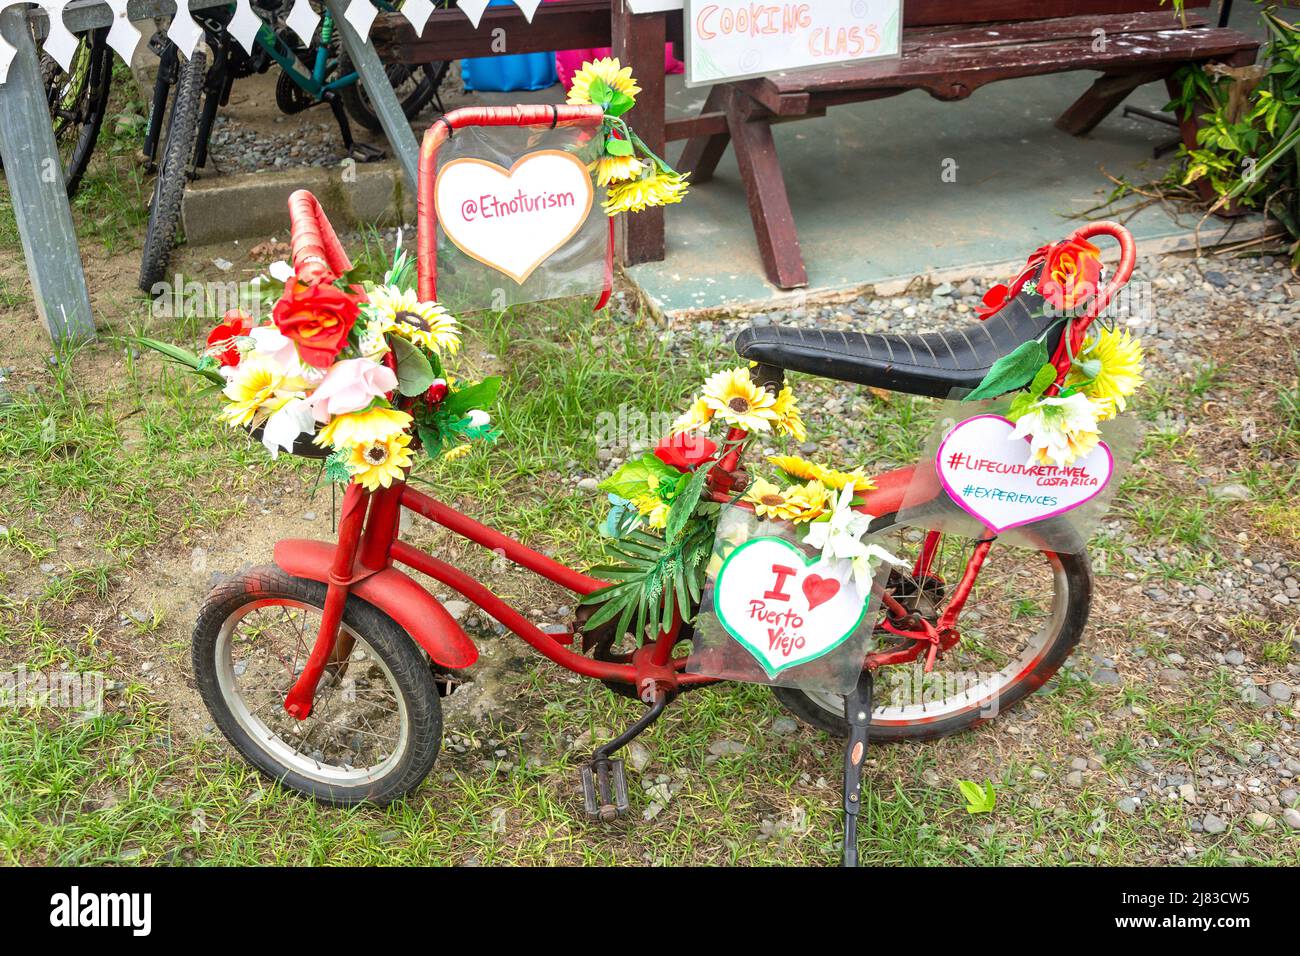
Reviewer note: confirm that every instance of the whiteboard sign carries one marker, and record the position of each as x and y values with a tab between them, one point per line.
734	39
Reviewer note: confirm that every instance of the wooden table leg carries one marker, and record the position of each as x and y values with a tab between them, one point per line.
1101	98
769	204
380	91
38	193
638	42
702	153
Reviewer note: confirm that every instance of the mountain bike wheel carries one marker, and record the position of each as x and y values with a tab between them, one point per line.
414	86
173	171
78	101
1023	618
376	721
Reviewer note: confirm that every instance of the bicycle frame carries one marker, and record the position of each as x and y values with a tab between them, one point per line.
362	560
313	83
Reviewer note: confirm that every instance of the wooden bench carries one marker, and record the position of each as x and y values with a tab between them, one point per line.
950	62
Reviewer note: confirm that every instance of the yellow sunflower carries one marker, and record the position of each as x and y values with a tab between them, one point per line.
363	428
380	462
616	169
797	467
616	77
426	323
789	420
697	416
769	501
808	501
657	189
460	451
1113	359
259	388
733	397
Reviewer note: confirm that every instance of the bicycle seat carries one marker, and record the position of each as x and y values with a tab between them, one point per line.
928	363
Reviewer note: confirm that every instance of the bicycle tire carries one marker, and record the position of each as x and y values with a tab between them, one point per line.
169	186
1077	575
357	103
87	112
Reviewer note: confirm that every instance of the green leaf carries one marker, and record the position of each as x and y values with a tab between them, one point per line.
978	799
336	468
638	477
1043	378
181	357
1011	371
618	147
683	506
414	373
619	103
600	92
480	395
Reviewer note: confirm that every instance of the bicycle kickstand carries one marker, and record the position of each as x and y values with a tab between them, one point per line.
358	152
857	707
604	785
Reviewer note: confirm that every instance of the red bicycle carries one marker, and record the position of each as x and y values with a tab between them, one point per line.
325	669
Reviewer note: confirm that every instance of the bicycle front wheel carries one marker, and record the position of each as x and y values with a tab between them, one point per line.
1024	616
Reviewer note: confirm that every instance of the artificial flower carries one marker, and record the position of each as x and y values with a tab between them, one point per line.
617	169
318	318
807	501
371	342
281	271
223	340
284	426
993	301
1108	370
460	451
797	467
696	417
350	386
735	398
614	74
789	419
479	418
652	509
378	463
437	391
769	501
685	451
426	323
1070	273
839	538
363	428
657	189
1060	430
258	388
280	349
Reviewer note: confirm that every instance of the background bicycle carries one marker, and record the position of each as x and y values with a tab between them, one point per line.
189	92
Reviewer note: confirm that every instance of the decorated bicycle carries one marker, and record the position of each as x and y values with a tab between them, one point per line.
899	606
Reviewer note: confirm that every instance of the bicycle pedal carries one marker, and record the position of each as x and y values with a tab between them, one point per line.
604	796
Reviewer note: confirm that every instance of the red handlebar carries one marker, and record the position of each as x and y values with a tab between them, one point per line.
1073	339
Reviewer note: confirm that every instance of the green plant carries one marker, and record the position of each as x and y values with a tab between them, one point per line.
978	799
1248	148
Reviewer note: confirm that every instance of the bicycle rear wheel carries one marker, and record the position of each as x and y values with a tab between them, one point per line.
1024	616
173	171
78	100
415	87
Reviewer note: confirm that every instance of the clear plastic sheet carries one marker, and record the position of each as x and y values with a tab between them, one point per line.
778	618
577	267
1037	507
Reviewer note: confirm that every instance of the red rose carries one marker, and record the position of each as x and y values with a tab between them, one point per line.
685	451
1070	273
234	323
318	318
437	391
993	301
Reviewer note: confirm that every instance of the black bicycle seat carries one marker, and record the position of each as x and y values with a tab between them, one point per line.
927	363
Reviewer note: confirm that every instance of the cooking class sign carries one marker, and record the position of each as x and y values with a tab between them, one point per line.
732	39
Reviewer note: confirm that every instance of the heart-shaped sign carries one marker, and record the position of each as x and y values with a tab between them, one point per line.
513	219
989	474
783	607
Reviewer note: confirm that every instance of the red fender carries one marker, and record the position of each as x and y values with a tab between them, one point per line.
395	593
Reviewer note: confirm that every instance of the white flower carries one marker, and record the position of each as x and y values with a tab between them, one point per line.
840	539
286	425
281	271
478	418
280	349
1060	430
